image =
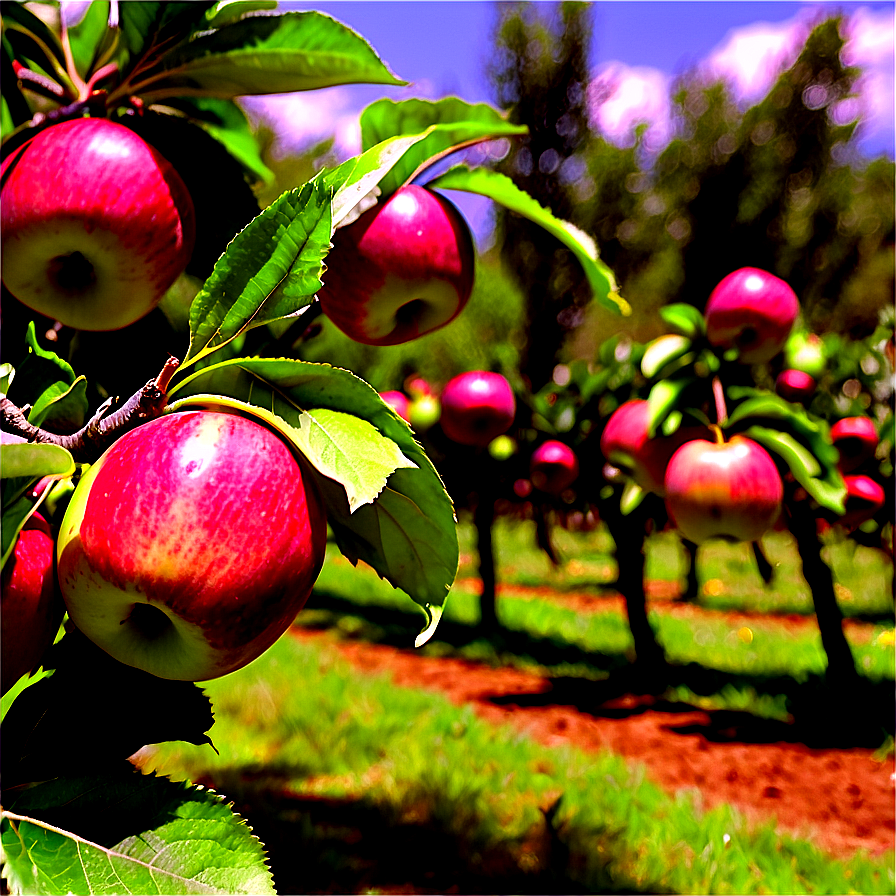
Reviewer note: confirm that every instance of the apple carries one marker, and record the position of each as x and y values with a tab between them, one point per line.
424	412
31	610
805	351
553	467
753	311
96	225
502	447
476	407
402	269
795	385
864	497
625	445
856	439
728	490
189	547
398	401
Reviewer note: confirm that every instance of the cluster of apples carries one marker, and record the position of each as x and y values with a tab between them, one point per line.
186	550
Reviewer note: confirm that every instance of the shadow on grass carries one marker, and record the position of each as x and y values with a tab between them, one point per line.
822	716
319	844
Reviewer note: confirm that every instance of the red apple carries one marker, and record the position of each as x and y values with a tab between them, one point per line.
476	407
191	544
864	497
624	443
398	401
795	385
96	225
856	439
31	611
403	269
553	467
753	311
728	490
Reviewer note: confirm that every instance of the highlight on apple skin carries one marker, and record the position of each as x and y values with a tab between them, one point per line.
753	311
31	609
729	490
864	497
624	443
96	225
403	269
856	439
553	467
189	547
477	406
795	385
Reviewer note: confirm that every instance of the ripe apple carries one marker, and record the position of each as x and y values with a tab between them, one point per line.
795	385
753	311
553	467
625	445
403	269
856	439
476	407
398	401
31	610
191	544
864	497
96	225
805	351
730	490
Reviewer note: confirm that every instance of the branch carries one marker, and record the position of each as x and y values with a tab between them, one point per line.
104	428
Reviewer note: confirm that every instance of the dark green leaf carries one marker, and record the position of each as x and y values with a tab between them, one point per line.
19	19
685	320
271	270
182	839
448	123
270	54
142	23
503	190
408	533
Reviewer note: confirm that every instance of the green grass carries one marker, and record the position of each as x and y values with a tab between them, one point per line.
355	785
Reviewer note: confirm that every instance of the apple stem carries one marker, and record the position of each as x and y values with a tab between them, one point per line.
719	396
89	442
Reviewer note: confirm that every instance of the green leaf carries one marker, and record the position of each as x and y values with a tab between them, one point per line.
19	19
87	35
16	512
270	270
225	11
65	406
408	534
665	355
502	189
28	459
686	320
632	495
141	23
665	397
448	124
270	54
356	177
191	842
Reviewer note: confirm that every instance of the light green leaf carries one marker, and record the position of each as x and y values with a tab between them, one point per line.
33	460
686	320
192	843
665	397
270	54
226	11
408	534
449	124
503	190
664	355
632	496
356	177
270	270
86	36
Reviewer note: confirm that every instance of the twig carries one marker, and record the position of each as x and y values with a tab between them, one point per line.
89	442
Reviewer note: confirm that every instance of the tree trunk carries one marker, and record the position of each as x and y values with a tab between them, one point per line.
483	519
766	570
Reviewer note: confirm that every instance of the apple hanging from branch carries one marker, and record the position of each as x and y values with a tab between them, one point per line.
856	439
476	407
403	269
553	467
96	225
191	544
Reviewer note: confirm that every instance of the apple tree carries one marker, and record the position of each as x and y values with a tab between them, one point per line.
180	529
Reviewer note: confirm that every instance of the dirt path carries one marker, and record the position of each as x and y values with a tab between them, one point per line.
844	799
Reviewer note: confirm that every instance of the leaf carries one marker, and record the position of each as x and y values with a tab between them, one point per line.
448	124
631	498
686	320
34	460
664	354
665	397
225	11
64	406
270	270
356	177
408	534
86	36
192	842
502	189
270	54
16	512
141	23
19	20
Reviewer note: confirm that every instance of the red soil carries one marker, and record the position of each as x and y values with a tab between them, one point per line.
842	798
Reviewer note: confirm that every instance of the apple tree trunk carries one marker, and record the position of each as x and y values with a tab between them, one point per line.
483	521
